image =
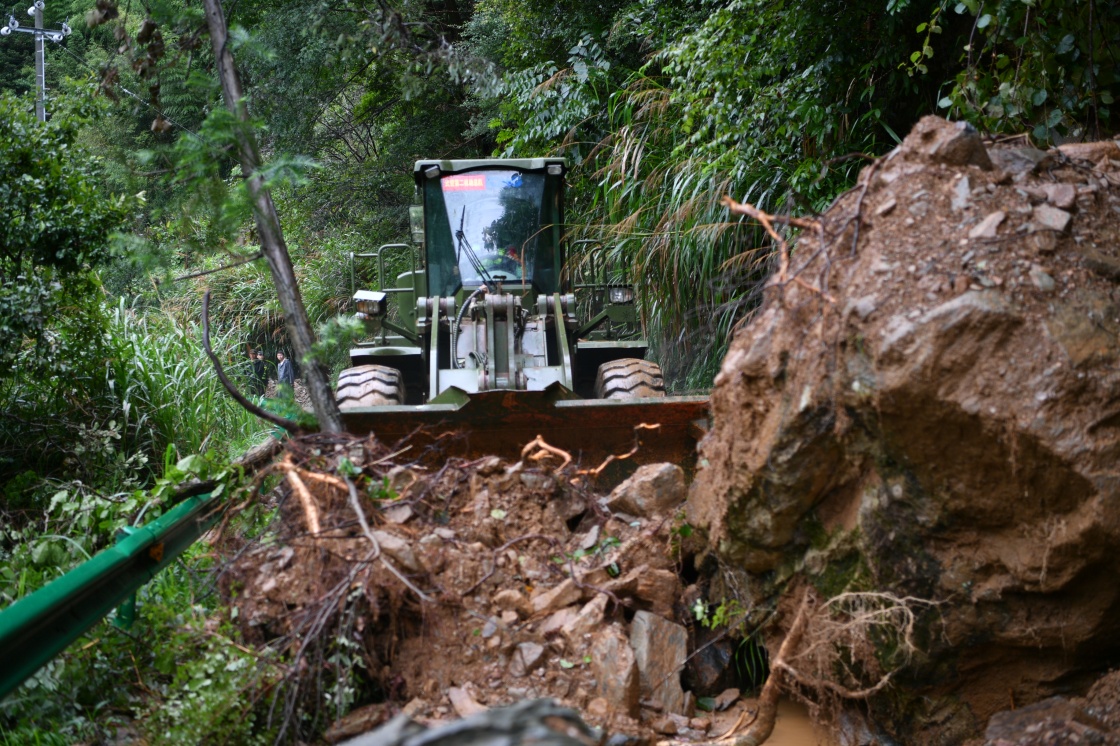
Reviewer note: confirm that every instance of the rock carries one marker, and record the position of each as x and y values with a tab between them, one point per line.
397	513
887	207
1100	262
726	698
398	551
587	620
977	473
512	600
1051	721
660	649
653	490
664	725
464	704
1041	279
556	622
1018	160
951	143
590	539
598	708
356	722
565	594
1051	218
709	670
615	670
962	195
863	307
1091	151
987	227
1063	196
526	657
660	589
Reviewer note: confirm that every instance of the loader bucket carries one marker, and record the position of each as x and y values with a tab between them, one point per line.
503	422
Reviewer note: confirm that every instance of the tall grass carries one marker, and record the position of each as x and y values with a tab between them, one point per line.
167	391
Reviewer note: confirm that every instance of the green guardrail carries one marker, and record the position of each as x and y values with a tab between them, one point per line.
38	627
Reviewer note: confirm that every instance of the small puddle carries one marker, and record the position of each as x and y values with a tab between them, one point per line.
793	727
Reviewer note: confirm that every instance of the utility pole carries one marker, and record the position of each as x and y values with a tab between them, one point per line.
36	11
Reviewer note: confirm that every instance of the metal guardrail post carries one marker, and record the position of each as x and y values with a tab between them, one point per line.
40	626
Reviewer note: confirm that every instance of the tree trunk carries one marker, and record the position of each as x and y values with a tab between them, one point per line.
268	226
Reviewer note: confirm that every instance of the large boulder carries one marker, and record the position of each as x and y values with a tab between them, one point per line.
934	412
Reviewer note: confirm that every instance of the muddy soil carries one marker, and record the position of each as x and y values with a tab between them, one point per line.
487	583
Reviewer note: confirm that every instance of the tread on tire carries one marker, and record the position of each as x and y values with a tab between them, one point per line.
369	386
629	378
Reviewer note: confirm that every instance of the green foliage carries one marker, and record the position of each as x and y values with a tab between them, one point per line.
1043	66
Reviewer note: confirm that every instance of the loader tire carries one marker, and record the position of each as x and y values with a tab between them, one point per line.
629	378
369	386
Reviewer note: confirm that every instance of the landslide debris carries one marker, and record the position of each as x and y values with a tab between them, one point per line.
446	591
927	406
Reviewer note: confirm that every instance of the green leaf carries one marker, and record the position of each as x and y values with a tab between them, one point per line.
984	20
566	663
707	704
1065	44
945	103
922	27
1054	118
1106	97
1038	98
497	513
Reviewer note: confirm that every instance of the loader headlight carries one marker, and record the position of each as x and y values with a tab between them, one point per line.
370	302
621	295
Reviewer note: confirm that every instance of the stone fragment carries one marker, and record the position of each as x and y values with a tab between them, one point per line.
598	708
526	657
591	538
587	620
512	600
664	725
886	207
962	195
701	724
864	306
615	670
710	670
654	489
1016	161
357	722
490	628
565	594
557	621
1041	279
987	227
398	550
1100	262
660	649
1063	196
726	698
951	143
509	617
463	702
1051	218
1063	721
397	513
1091	151
660	589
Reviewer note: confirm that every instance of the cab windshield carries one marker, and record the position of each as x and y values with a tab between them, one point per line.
495	222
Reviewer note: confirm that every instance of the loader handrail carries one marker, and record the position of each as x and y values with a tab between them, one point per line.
36	628
381	267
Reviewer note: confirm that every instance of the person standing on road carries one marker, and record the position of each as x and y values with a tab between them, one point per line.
284	372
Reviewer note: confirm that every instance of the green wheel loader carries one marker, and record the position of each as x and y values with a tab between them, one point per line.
488	341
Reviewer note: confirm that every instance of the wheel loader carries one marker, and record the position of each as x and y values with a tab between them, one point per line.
491	339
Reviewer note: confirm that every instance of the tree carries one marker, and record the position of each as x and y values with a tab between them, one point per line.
268	225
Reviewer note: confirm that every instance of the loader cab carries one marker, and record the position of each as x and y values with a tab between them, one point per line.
492	222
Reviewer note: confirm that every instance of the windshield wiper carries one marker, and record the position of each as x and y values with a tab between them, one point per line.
472	257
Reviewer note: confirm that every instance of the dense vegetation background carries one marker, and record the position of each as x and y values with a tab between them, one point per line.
661	106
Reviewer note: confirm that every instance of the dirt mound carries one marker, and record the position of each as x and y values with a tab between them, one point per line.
440	593
928	405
